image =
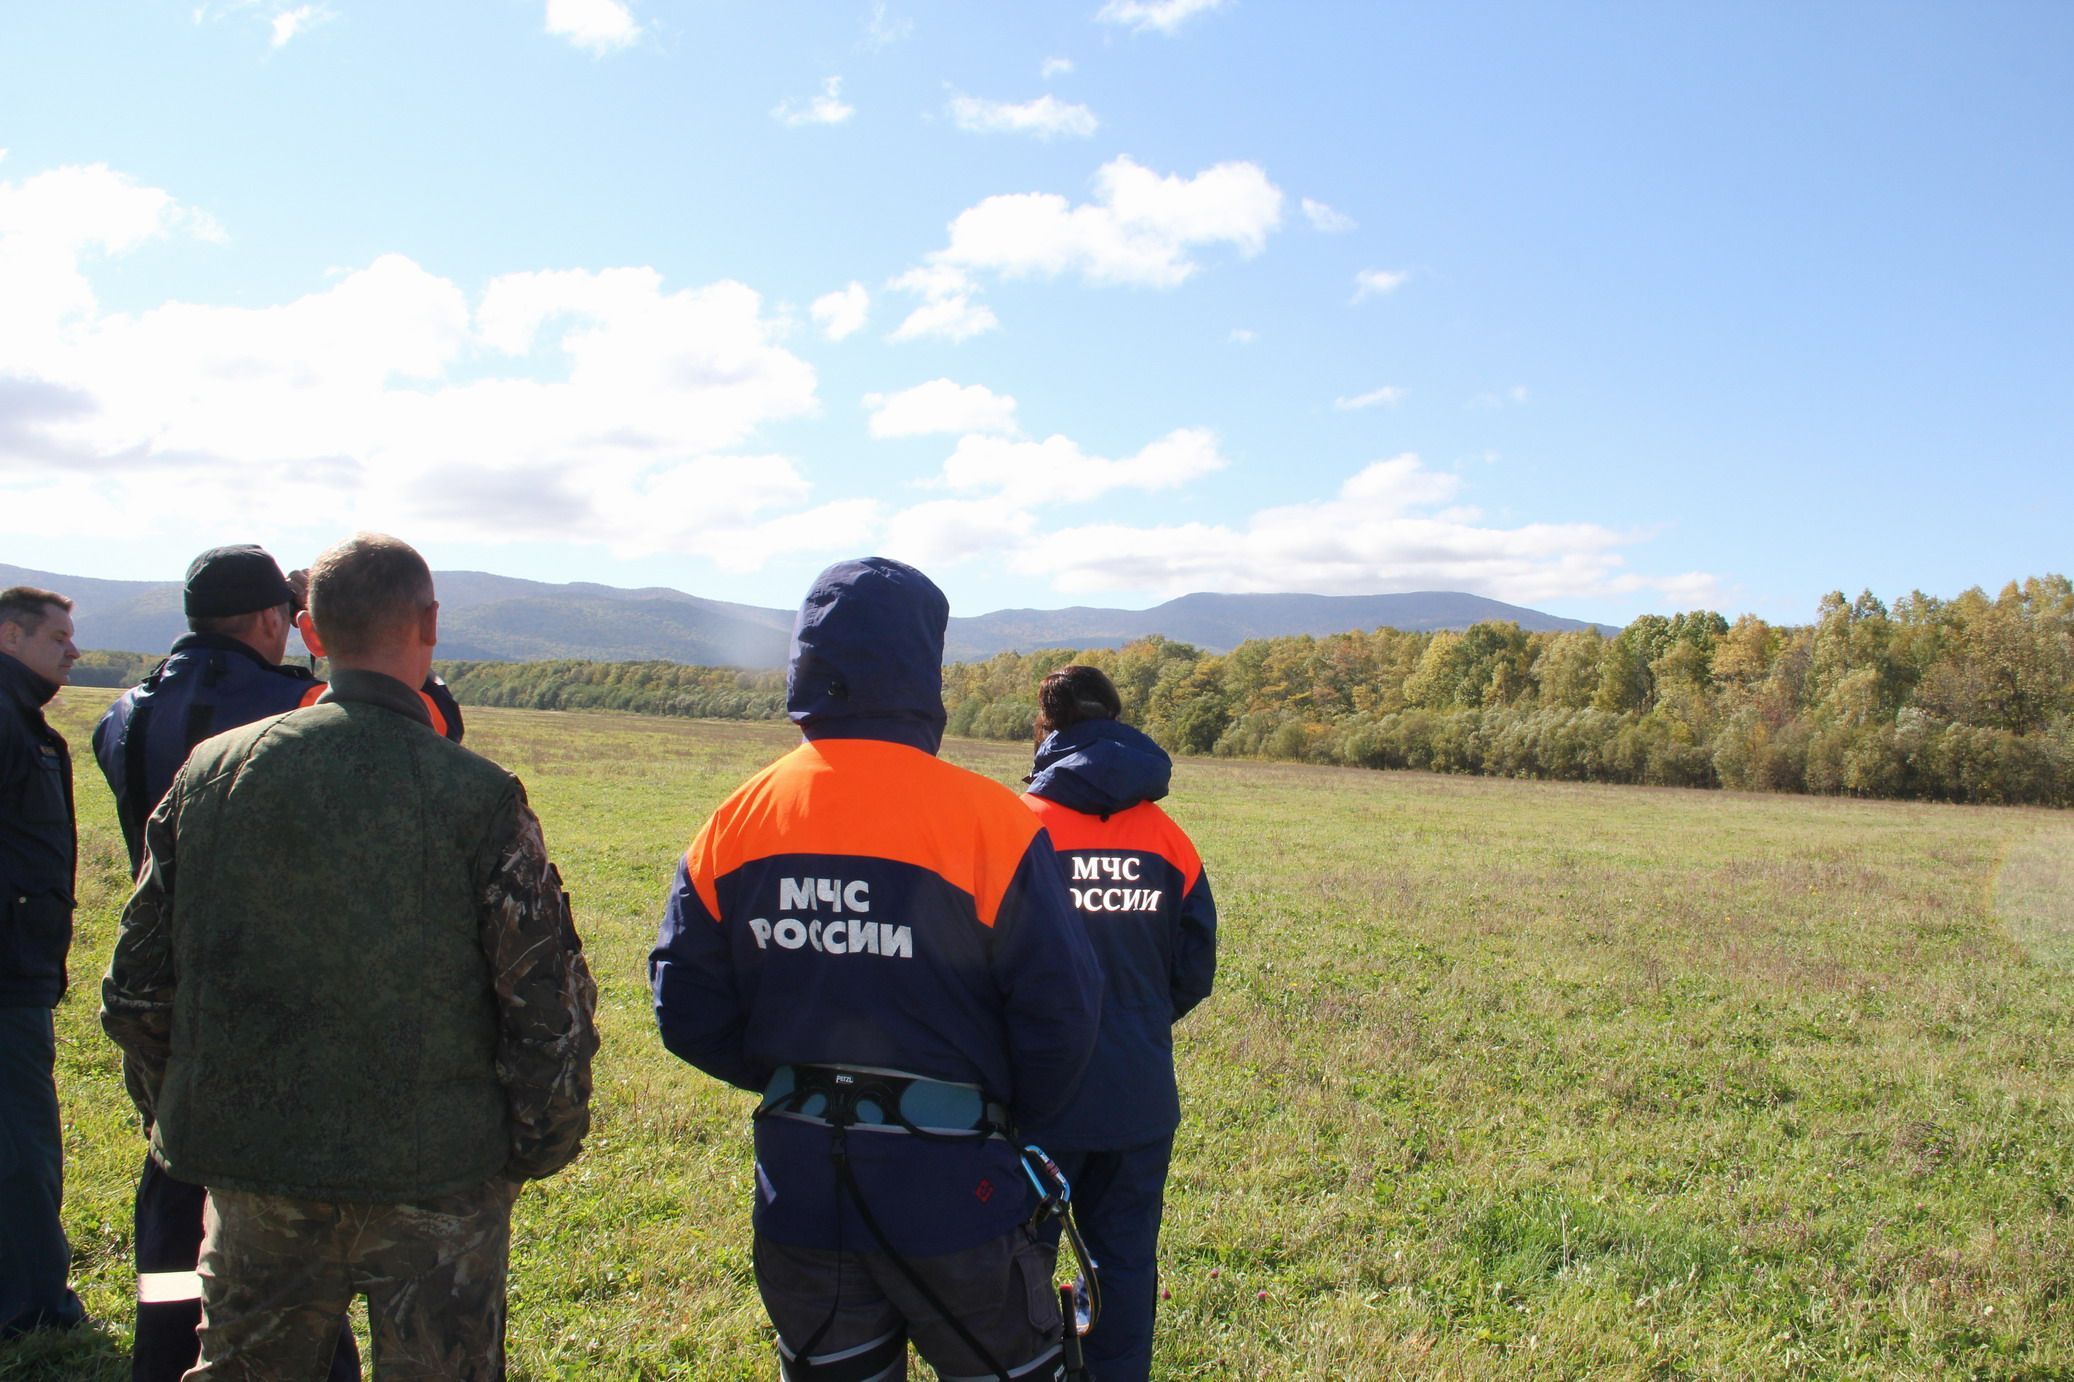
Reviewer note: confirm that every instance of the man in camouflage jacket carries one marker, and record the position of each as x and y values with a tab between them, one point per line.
352	1003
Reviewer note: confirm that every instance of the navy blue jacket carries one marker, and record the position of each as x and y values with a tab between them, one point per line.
38	843
861	902
207	684
1135	878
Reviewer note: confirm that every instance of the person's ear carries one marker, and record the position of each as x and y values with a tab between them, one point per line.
307	627
428	625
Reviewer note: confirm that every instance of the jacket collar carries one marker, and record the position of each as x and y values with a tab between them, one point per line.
1100	767
224	643
22	685
374	688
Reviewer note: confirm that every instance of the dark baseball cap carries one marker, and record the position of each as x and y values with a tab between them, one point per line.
235	580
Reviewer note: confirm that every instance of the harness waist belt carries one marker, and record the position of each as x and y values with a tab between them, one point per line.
871	1099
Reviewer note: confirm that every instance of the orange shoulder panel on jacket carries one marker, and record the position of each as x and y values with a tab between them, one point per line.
1143	828
309	697
866	798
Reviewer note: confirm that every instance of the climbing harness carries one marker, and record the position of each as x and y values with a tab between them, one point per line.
866	1099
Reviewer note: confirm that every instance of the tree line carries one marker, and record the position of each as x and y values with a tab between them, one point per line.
1967	699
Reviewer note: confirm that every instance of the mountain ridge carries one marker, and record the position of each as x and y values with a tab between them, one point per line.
493	618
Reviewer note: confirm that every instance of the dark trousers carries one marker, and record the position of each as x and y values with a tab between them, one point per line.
35	1259
169	1292
848	1316
1117	1200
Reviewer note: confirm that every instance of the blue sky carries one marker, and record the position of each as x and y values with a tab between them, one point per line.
1600	308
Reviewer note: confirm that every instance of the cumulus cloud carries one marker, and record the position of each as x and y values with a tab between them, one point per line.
1391	525
1056	470
1141	228
941	406
1046	117
1164	16
1375	535
1377	282
300	20
598	26
1388	396
1242	335
828	108
843	312
947	311
602	406
1324	218
1055	67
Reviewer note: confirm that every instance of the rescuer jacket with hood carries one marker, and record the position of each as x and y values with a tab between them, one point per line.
861	902
208	683
1135	878
38	844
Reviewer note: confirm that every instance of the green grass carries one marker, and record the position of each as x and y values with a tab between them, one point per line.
1500	1079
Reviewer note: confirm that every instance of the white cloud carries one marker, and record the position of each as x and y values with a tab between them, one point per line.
1377	534
882	30
941	406
562	405
1388	396
1139	230
1055	67
1056	470
601	26
300	20
1242	335
1045	117
1167	16
826	109
946	531
1376	282
947	309
1324	218
843	312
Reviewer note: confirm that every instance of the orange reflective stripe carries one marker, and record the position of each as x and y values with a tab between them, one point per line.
309	697
864	798
1143	829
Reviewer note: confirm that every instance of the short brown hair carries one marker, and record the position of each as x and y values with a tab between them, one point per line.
1075	693
363	591
27	606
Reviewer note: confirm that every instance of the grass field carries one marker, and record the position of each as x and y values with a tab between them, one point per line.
1500	1079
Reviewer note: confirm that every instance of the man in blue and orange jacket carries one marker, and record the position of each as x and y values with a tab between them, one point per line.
1136	878
861	916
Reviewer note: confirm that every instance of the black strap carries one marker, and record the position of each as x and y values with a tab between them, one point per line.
841	1152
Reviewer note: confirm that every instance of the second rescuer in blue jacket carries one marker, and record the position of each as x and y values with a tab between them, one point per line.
1135	876
863	916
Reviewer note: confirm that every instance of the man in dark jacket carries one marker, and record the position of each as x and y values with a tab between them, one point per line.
880	944
352	1003
38	847
226	671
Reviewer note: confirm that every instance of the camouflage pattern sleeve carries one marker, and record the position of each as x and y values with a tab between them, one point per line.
137	992
546	999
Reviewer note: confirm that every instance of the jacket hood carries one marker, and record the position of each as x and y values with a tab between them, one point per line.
18	682
1100	767
867	655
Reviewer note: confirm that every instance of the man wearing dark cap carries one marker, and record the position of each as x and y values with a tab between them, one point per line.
227	671
37	850
352	1002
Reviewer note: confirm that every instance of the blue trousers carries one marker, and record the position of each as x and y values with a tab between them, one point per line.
35	1259
1117	1199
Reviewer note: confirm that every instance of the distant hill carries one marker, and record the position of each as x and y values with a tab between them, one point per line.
506	619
